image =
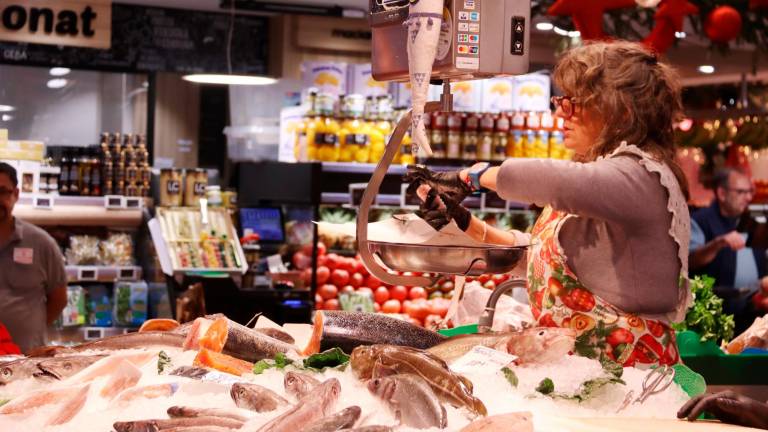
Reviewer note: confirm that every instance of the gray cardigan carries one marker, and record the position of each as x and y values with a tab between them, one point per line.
619	244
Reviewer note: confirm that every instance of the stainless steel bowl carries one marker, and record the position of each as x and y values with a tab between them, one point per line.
448	260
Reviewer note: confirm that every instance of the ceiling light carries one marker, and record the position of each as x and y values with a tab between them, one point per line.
225	79
560	31
7	108
6	117
545	26
707	69
680	35
59	71
56	83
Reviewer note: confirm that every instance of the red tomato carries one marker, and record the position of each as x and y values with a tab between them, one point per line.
432	321
491	285
318	298
415	322
360	268
417	293
349	264
356	280
332	260
365	291
307	249
348	289
419	309
306	277
328	292
301	260
446	286
323	274
322	261
331	304
381	295
439	307
376	307
318	302
500	278
399	293
391	306
340	277
373	282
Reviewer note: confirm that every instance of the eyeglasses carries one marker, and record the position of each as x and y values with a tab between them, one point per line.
738	191
567	105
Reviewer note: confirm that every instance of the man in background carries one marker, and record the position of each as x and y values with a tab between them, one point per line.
33	282
724	245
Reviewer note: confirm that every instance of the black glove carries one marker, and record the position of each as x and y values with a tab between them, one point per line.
448	183
439	209
728	407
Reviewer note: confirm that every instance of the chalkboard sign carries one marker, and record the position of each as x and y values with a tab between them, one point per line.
159	39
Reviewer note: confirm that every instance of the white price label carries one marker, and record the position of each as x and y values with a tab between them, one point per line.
86	274
482	358
134	203
127	273
113	202
43	202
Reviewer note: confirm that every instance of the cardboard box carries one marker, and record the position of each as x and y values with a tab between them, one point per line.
360	81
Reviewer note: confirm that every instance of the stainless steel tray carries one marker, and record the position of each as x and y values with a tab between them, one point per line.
448	260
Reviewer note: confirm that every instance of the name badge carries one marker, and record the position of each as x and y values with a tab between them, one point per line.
23	255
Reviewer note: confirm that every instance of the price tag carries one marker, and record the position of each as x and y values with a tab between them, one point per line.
87	274
493	200
482	358
356	302
91	333
134	203
356	191
127	273
408	201
43	202
113	202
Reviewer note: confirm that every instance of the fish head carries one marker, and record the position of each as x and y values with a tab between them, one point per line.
297	383
362	360
542	344
239	393
328	392
383	387
16	370
57	368
135	426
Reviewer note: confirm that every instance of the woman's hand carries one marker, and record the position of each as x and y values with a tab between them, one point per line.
438	210
728	407
448	183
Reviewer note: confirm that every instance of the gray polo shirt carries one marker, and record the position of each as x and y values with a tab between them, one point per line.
31	266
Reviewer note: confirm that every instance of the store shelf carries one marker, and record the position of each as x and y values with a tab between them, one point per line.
105	274
79	334
78	211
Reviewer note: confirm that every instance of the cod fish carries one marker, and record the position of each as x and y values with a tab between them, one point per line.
256	398
39	398
378	360
182	411
164	424
236	339
517	422
348	330
145	392
70	408
314	406
203	374
370	429
198	429
412	400
64	367
18	369
134	340
124	376
531	346
343	419
298	384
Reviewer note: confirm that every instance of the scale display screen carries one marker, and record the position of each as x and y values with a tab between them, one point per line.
267	222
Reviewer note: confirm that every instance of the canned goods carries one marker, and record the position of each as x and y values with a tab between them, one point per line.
194	186
170	187
229	198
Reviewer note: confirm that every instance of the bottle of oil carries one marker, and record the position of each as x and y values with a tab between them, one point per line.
469	138
453	147
500	138
65	164
485	141
439	135
74	173
107	171
96	171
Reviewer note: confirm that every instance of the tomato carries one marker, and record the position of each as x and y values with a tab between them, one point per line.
399	293
331	304
439	307
365	291
328	291
432	321
417	293
347	264
376	307
318	302
322	261
373	282
447	286
360	268
419	309
323	274
483	278
620	336
356	280
435	295
381	295
391	306
321	249
306	277
340	277
348	289
301	261
491	285
332	260
500	278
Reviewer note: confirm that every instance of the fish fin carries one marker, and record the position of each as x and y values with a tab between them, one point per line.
159	324
313	347
443	417
467	383
479	407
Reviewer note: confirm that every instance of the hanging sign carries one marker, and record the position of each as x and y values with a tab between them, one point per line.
83	23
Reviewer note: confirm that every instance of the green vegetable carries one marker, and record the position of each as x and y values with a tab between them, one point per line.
163	361
587	388
332	358
509	374
280	362
611	366
546	386
706	316
260	366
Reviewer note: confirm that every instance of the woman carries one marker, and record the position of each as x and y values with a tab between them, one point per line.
608	256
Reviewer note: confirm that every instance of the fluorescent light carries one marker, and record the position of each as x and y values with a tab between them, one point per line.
56	83
7	108
224	79
707	69
59	71
560	31
6	117
680	35
545	26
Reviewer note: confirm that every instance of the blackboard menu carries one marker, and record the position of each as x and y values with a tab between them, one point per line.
159	39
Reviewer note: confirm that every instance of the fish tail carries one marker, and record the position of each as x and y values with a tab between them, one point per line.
313	347
479	407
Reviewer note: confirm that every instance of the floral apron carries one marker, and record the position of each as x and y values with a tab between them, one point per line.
558	299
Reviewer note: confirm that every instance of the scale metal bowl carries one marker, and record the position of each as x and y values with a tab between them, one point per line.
448	260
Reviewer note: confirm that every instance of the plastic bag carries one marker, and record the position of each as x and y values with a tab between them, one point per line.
511	314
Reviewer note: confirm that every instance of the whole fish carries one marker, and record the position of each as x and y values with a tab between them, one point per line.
182	411
377	360
317	404
70	408
531	346
348	330
298	384
370	429
124	376
203	374
343	419
199	429
133	340
412	400
38	398
65	367
256	398
163	424
18	369
276	334
151	391
240	341
518	422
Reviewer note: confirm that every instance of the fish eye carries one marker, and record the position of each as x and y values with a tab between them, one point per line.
541	333
7	372
67	366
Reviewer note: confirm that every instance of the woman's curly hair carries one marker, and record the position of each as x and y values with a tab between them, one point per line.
635	96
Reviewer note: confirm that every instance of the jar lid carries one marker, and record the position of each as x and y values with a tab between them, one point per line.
213	188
